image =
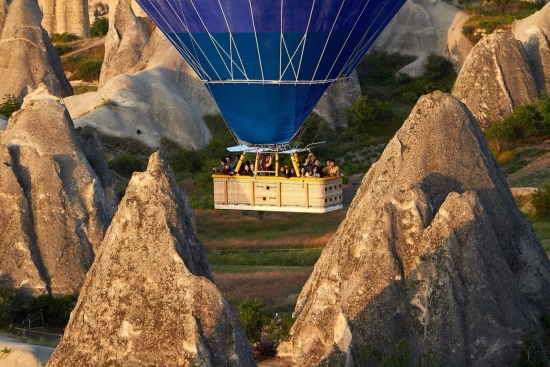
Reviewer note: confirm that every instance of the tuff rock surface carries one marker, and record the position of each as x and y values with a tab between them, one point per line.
496	78
433	252
147	89
66	16
54	210
27	56
149	298
534	33
422	27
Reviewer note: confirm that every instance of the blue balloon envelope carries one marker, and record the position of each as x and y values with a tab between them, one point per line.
268	62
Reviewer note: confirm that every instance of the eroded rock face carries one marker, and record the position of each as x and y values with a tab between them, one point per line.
433	252
149	298
125	43
422	27
534	33
54	210
66	16
496	78
27	56
148	91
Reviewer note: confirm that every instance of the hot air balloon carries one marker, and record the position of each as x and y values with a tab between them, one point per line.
268	62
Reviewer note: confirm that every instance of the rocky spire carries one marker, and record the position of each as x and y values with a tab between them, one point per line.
433	253
496	78
66	16
534	33
53	208
27	56
149	298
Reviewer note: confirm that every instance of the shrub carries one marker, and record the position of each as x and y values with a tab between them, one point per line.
126	164
525	121
100	27
63	49
541	202
9	105
64	37
252	317
56	310
7	306
89	70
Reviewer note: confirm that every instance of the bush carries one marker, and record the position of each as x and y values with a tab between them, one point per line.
63	49
100	27
126	164
525	121
541	202
56	310
7	306
9	106
252	317
64	37
89	70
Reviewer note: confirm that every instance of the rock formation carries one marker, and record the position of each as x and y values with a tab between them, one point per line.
53	208
422	27
534	33
149	298
496	78
27	57
125	41
97	9
148	90
433	253
66	16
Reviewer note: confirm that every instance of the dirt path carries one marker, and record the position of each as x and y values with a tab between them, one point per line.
94	43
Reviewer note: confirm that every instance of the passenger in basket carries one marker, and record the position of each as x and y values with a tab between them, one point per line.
282	171
316	172
320	169
222	165
292	172
268	162
226	170
248	169
333	170
231	164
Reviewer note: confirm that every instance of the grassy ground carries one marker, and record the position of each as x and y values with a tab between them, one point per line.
269	259
238	230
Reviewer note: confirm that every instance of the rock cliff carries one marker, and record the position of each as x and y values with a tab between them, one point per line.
54	210
66	16
149	298
534	33
147	89
27	56
496	78
433	254
422	27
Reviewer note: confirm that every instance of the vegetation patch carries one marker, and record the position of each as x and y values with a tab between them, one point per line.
486	17
234	230
84	65
81	89
100	27
9	105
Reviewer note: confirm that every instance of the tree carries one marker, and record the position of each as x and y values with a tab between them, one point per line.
370	115
190	161
501	4
100	27
252	317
